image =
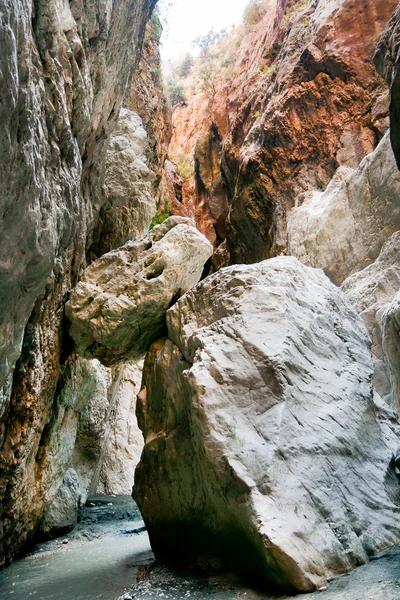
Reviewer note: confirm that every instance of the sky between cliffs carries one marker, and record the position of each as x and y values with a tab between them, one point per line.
187	19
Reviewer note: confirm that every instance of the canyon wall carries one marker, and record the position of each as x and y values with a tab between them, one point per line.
64	74
302	98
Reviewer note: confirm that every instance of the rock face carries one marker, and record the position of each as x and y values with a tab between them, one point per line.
125	440
300	99
62	516
371	291
130	200
343	229
263	446
65	68
387	61
118	308
391	345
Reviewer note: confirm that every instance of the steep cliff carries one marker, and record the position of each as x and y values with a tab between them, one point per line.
64	72
300	99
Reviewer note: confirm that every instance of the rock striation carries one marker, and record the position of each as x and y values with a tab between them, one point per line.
343	229
264	448
64	72
118	308
371	291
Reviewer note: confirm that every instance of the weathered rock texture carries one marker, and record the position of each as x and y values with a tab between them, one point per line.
118	308
129	191
263	444
125	440
302	99
343	229
64	71
371	291
391	345
62	515
387	61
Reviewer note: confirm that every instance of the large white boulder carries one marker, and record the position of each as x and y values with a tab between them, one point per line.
118	308
264	449
371	291
343	229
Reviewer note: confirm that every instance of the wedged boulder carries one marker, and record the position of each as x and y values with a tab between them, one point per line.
118	308
371	291
264	449
391	345
343	229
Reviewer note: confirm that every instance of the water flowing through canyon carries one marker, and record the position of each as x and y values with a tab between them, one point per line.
199	299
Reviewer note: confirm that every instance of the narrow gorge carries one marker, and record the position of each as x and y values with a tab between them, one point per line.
199	300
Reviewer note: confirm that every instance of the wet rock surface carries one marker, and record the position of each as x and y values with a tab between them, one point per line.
118	308
252	412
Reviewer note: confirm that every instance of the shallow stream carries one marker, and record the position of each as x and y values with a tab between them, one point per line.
100	560
102	557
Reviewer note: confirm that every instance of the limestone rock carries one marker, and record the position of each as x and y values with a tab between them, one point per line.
263	446
125	440
130	201
118	308
62	516
343	229
387	61
64	71
94	425
391	345
301	98
371	291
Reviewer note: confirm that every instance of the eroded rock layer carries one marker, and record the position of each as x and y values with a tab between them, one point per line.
64	72
264	449
302	99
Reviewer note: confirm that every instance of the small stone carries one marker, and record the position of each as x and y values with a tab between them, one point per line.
323	588
65	541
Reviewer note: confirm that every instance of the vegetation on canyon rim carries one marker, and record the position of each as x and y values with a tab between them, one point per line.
228	271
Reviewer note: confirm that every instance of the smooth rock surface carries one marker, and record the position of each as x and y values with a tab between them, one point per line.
371	291
125	440
118	308
264	448
343	229
391	345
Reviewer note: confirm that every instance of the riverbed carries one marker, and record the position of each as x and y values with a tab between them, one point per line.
108	556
